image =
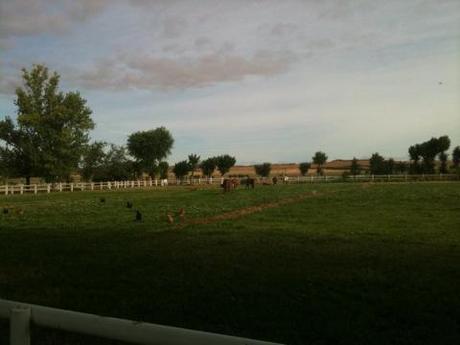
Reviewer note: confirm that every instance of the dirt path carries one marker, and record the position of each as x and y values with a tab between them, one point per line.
239	213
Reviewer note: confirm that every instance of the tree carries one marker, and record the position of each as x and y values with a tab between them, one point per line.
93	160
376	164
414	153
163	168
401	167
51	131
181	169
389	166
193	161
150	147
208	166
304	167
319	159
224	163
117	165
456	157
355	168
443	158
263	169
428	150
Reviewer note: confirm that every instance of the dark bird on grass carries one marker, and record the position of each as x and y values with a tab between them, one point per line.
129	204
138	216
170	218
5	210
102	200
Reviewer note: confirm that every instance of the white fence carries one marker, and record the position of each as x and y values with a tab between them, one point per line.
22	315
110	185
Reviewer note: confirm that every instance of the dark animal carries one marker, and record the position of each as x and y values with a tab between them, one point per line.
229	184
129	204
102	200
138	216
250	182
275	180
5	210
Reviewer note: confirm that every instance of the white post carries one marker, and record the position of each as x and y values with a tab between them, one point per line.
20	326
71	187
156	182
35	189
6	189
132	184
372	177
21	190
48	188
60	186
92	186
109	185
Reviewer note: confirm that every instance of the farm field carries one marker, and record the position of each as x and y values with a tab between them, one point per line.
330	263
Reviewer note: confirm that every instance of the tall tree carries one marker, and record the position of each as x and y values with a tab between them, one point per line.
376	164
263	169
52	127
163	168
150	147
93	160
319	159
414	153
304	167
443	158
193	161
208	166
181	169
456	157
224	163
354	167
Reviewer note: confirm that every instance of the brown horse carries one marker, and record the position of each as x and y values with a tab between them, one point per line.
229	184
250	182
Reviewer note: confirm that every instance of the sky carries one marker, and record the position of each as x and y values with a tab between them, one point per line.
265	81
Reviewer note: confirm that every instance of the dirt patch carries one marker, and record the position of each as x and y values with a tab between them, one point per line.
239	213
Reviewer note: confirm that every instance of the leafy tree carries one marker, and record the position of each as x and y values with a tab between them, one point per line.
93	160
389	166
456	157
224	163
163	168
443	158
208	166
117	165
181	169
355	168
263	169
51	131
303	167
376	164
319	159
428	150
150	147
193	161
401	167
414	153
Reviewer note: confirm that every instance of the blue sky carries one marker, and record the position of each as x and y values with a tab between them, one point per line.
262	80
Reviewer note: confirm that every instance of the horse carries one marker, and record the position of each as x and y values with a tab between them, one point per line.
250	182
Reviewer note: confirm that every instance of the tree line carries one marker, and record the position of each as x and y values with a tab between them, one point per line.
50	139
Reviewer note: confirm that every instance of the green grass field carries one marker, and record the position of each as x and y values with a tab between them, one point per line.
348	264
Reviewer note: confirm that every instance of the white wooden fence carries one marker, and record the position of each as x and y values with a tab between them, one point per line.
113	185
22	315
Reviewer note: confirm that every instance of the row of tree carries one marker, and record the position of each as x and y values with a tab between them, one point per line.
222	163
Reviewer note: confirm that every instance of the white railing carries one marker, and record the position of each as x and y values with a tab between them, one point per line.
111	185
22	315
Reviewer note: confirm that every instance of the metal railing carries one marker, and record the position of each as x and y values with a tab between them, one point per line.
21	316
111	185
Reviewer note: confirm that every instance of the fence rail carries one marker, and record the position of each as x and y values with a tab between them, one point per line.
22	315
110	185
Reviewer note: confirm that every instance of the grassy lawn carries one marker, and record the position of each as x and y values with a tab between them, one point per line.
346	264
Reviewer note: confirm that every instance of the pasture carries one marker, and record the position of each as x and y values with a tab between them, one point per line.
300	264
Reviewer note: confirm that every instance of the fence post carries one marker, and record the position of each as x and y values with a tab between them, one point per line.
21	190
71	187
6	189
372	177
48	188
35	189
20	326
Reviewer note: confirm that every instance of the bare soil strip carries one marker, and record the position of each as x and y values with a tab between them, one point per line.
239	213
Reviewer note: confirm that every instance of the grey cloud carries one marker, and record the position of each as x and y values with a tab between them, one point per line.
151	72
174	26
282	29
25	17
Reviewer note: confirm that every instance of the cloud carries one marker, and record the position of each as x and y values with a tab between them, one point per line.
25	17
153	72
